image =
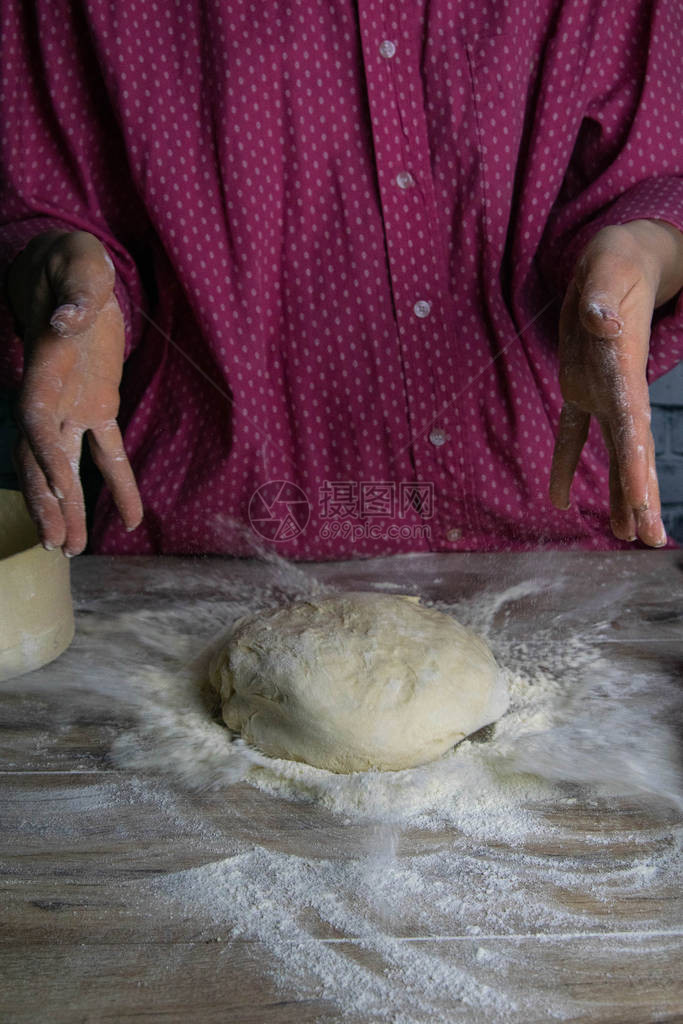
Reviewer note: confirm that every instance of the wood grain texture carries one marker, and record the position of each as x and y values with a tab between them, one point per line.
207	981
85	849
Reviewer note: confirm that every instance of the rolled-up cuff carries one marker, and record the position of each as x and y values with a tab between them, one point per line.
652	199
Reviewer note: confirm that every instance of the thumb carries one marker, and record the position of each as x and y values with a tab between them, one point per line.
80	276
607	277
602	286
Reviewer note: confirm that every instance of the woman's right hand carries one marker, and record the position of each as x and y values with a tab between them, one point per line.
61	293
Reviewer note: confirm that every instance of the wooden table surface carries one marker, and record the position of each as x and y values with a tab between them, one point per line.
85	845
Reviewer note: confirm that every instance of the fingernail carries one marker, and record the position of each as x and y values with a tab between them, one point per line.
662	540
562	504
48	546
60	320
57	493
602	311
66	309
607	315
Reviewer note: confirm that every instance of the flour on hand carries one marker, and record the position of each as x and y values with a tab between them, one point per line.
356	681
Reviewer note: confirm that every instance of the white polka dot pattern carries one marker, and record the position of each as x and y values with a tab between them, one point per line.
342	233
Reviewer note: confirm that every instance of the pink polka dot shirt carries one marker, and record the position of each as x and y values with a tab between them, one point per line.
342	233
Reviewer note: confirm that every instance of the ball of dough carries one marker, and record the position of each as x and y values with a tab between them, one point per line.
356	681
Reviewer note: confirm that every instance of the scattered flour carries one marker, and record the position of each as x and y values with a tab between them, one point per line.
477	851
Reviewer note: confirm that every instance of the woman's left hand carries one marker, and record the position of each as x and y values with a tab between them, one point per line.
621	276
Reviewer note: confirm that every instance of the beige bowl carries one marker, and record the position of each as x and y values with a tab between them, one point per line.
36	613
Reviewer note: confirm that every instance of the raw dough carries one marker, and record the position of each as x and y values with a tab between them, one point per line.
356	681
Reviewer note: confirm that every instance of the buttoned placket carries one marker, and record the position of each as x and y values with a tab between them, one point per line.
419	281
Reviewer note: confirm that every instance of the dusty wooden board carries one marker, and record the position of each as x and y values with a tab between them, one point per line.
38	733
78	850
210	982
84	939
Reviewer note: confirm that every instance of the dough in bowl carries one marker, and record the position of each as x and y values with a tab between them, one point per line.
356	681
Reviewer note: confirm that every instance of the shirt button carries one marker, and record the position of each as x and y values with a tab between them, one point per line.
422	308
404	179
387	49
438	436
454	535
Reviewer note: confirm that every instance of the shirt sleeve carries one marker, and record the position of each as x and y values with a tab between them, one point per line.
627	162
63	163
